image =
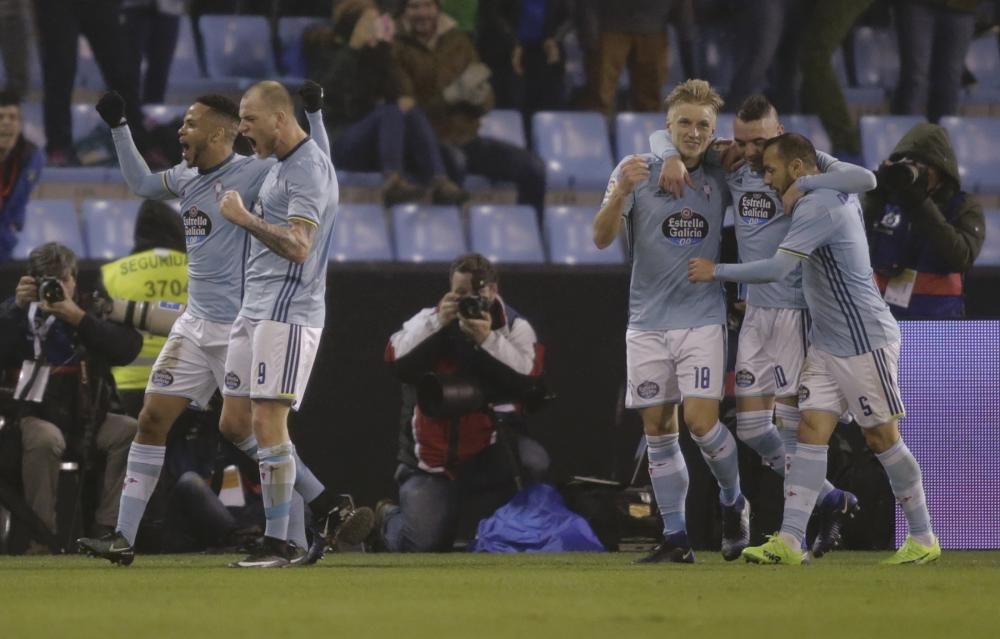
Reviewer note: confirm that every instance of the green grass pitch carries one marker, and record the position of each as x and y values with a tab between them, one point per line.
845	595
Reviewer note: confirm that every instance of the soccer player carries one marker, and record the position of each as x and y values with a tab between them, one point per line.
192	363
274	339
853	355
773	338
675	342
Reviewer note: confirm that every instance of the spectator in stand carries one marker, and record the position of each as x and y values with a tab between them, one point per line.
60	23
633	32
152	27
443	73
934	36
20	167
521	42
374	127
14	44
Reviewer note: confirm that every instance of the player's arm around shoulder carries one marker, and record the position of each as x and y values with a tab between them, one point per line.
619	198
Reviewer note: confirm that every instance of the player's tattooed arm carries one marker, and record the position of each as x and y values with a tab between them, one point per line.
291	242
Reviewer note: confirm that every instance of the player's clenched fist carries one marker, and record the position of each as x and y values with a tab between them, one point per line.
232	207
701	270
633	172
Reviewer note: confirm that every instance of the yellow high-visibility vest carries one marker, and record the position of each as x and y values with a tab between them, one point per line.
149	276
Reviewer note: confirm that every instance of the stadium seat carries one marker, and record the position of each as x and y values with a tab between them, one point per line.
50	221
881	133
724	125
427	233
88	74
360	235
575	148
162	114
718	50
877	57
983	60
85	120
237	46
82	175
975	142
109	226
506	234
291	55
185	66
33	122
809	126
632	131
990	253
569	235
505	125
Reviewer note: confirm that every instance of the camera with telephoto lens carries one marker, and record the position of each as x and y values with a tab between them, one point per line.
50	290
450	396
473	306
901	175
155	317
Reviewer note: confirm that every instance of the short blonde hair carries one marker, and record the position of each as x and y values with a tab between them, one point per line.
697	92
274	96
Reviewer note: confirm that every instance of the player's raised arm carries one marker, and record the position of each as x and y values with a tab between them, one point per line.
312	101
291	241
139	178
618	199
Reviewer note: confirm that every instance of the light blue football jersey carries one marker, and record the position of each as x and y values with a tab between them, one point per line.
217	249
663	233
848	314
302	185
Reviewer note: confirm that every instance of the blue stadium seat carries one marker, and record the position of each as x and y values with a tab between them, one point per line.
983	60
160	114
809	126
506	234
291	54
718	47
427	233
82	175
877	57
360	235
881	133
109	227
575	148
505	125
185	65
88	74
569	235
632	131
49	221
85	120
975	142
724	125
990	253
237	46
33	122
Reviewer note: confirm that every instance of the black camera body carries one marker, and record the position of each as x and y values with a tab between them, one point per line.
902	175
50	289
450	396
473	306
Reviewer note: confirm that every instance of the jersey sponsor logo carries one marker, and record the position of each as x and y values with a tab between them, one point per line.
232	380
197	226
647	390
745	378
161	378
757	208
685	228
803	393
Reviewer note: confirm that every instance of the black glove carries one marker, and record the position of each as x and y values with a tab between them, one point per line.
312	96
111	106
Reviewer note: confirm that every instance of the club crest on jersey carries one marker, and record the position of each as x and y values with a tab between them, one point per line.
744	378
197	226
232	380
161	378
685	228
756	208
647	390
803	393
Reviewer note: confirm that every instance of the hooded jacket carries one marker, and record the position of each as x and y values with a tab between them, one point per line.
939	235
427	68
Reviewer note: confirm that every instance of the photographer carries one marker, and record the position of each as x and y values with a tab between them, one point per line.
66	390
479	343
924	232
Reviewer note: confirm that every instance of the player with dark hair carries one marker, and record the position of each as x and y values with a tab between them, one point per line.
853	356
191	364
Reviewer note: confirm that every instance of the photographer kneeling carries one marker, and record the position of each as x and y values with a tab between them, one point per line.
924	232
472	363
66	389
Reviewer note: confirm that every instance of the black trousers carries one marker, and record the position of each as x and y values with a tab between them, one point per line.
60	24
